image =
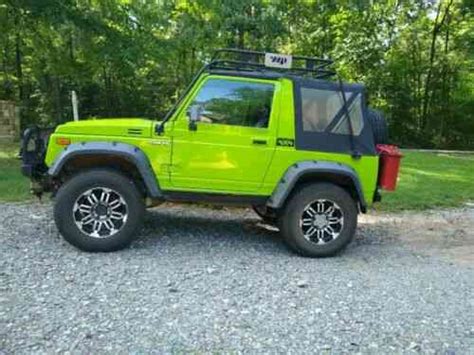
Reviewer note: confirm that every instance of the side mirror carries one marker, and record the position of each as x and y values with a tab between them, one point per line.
194	116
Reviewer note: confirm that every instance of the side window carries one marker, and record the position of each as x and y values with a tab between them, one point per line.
320	109
235	103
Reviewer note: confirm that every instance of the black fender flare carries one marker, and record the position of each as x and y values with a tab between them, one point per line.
301	169
129	152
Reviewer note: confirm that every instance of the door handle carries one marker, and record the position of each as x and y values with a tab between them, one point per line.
259	141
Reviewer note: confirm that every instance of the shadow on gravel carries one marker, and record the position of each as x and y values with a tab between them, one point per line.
195	229
228	230
220	231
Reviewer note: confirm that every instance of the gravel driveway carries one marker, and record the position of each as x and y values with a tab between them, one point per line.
209	280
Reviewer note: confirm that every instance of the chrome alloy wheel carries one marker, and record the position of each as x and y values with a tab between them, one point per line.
100	212
322	221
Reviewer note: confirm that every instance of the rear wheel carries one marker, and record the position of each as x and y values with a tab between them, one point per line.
99	211
319	220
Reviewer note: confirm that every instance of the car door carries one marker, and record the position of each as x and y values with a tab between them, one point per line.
232	144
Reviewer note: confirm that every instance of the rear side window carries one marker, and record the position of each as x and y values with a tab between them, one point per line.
318	107
355	114
236	103
322	111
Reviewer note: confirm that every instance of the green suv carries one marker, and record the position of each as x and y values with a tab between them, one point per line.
256	129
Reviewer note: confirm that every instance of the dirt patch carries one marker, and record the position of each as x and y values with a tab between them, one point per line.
445	233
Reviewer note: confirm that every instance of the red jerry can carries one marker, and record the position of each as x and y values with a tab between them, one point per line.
390	157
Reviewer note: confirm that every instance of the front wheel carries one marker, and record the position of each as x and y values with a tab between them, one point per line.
99	210
319	220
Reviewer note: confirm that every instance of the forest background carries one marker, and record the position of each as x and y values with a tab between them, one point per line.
128	58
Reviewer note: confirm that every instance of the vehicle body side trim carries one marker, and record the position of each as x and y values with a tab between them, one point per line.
127	151
307	168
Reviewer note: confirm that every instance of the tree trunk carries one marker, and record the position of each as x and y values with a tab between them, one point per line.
436	29
446	82
106	91
71	46
18	58
240	38
57	100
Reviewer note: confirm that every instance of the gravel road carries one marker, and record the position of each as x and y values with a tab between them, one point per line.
215	280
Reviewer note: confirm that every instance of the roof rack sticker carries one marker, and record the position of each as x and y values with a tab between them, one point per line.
275	60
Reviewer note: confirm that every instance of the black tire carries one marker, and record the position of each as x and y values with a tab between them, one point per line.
93	180
379	126
292	231
262	212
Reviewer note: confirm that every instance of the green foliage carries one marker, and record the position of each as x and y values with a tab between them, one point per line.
133	58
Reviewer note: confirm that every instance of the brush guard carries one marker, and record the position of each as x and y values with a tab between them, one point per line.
32	153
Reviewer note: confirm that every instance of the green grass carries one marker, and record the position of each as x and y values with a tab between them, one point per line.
427	180
13	185
431	180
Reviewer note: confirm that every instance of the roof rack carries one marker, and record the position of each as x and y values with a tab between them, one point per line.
246	60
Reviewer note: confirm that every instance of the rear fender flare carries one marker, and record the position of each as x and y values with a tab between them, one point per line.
129	152
313	168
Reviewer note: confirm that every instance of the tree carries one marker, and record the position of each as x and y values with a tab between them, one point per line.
133	58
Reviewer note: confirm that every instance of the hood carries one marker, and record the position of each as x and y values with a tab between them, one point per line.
135	127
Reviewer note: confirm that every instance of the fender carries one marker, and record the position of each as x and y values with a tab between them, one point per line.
127	151
300	169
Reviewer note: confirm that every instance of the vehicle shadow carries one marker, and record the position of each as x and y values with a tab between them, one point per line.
179	227
234	229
